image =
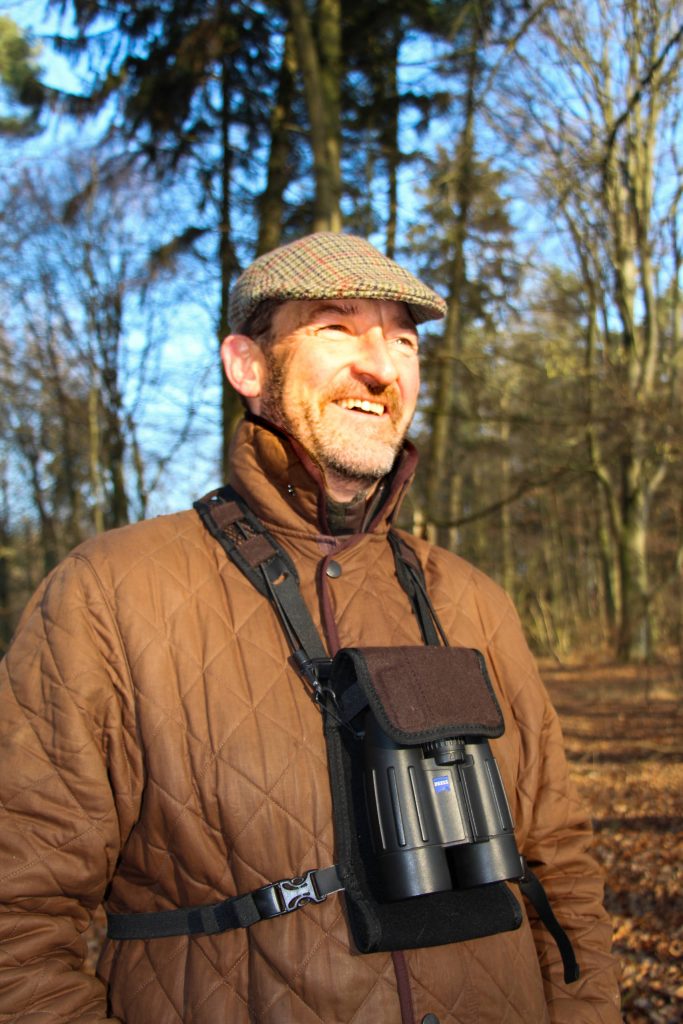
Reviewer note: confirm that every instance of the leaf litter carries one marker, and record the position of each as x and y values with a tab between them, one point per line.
623	729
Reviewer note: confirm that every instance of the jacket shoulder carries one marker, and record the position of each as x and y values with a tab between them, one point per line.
145	537
132	562
456	579
165	541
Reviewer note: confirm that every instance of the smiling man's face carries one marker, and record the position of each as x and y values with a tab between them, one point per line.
342	377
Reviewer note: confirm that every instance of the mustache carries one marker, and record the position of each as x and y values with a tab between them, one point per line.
388	395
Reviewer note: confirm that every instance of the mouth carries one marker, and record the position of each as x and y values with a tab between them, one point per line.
362	405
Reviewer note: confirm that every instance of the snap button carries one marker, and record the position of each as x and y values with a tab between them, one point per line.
333	570
430	1018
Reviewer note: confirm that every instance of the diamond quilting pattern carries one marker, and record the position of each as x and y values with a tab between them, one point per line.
368	582
232	791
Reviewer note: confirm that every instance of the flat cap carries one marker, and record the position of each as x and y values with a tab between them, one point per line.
327	265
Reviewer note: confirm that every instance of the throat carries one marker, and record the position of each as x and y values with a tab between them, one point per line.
345	517
355	516
348	490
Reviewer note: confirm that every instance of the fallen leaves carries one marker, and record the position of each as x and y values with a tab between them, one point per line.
624	737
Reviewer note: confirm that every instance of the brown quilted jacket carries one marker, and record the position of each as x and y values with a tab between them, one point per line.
157	751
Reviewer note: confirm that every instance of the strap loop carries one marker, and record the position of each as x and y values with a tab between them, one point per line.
532	888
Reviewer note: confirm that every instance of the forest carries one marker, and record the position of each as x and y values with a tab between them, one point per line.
524	158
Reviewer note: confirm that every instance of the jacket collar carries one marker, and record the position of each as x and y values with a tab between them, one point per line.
283	486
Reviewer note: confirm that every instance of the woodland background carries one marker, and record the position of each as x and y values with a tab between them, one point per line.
526	159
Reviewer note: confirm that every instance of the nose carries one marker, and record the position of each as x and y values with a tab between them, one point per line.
373	360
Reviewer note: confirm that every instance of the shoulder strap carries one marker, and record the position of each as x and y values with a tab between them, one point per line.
269	568
410	576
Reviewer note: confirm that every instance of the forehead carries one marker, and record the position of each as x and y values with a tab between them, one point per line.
297	313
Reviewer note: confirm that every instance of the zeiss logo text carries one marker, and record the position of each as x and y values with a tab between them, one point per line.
442	784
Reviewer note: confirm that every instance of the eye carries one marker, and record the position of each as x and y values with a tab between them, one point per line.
407	341
337	328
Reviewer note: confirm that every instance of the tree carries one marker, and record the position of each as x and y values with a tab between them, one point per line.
22	91
75	375
471	256
191	81
599	133
318	46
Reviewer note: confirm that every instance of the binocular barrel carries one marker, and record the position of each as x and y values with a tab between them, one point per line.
439	815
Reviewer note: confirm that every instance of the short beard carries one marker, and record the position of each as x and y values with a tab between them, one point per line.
272	399
332	460
338	462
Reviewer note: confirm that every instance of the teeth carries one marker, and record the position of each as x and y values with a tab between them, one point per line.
356	403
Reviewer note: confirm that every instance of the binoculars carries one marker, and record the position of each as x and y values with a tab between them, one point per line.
439	815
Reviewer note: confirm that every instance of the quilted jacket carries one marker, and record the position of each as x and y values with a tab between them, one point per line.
158	751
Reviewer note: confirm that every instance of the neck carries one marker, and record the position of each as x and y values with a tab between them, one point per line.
346	489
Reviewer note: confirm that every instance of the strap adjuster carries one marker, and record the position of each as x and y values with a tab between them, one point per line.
287	895
297	892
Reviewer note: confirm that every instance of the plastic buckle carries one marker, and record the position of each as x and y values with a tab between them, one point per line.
297	892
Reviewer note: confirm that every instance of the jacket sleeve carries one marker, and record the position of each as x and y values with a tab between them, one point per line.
555	836
67	798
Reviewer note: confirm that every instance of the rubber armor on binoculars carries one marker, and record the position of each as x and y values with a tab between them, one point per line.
439	815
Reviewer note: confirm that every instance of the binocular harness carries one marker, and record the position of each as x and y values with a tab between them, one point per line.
424	831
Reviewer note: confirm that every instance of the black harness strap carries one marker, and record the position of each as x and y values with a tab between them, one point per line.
533	889
238	912
268	567
410	576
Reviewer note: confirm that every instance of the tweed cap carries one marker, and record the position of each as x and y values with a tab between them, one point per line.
327	265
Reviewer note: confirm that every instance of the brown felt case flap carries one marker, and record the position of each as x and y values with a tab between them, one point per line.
420	694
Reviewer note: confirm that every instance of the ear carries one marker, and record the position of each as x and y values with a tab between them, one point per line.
244	365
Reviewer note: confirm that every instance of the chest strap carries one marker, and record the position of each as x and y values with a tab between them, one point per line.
237	912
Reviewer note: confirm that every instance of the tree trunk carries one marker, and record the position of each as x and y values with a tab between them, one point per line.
271	203
508	570
444	426
139	468
118	505
320	69
329	43
48	529
634	636
390	141
66	483
5	552
639	350
96	487
231	407
114	449
609	569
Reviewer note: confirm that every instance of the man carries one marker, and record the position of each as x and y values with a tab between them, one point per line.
160	750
